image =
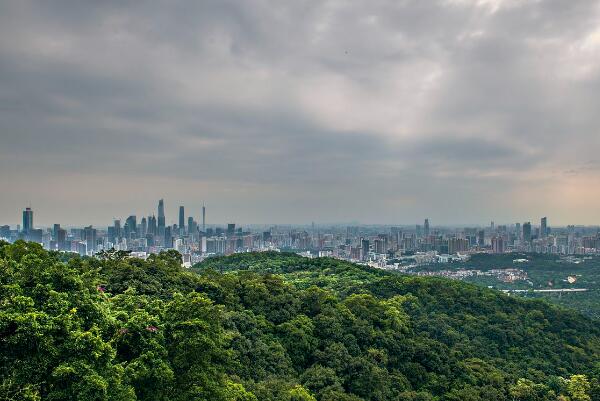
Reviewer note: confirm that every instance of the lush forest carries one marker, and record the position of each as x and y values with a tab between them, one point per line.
273	326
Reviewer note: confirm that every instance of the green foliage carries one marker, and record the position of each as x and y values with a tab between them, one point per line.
275	327
578	388
64	337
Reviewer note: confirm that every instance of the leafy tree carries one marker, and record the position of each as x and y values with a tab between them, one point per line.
578	388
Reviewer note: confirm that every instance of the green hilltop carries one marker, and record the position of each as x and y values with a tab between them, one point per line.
276	326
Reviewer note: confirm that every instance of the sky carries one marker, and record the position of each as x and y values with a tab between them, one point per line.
298	111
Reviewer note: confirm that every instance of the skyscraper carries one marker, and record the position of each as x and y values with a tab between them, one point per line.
110	235
161	208
4	231
161	217
426	227
527	232
203	218
498	244
89	236
456	245
152	225
55	231
364	249
27	220
192	226
168	237
181	220
117	230
543	227
130	226
61	239
143	227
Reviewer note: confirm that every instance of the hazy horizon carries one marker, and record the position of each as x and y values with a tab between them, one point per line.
171	214
379	112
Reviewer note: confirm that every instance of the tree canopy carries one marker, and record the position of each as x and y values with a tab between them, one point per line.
273	326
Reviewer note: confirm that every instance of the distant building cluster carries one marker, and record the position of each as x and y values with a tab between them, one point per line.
377	245
509	275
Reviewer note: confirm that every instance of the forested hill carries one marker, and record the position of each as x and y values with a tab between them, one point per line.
276	326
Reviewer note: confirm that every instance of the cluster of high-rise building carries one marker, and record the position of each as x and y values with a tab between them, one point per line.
150	234
369	244
442	242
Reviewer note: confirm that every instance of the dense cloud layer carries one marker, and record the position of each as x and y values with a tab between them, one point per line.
270	111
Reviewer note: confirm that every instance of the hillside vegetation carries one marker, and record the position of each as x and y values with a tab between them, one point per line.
544	271
276	326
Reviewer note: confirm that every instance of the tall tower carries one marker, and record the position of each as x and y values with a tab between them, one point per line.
181	219
203	218
27	220
161	217
230	229
364	249
89	236
143	228
544	227
118	229
152	225
168	237
131	227
481	238
426	227
527	232
498	244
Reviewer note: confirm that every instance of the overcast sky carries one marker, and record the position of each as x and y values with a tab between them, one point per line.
298	111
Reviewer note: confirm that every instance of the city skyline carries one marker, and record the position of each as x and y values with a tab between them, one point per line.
182	214
375	245
183	217
288	112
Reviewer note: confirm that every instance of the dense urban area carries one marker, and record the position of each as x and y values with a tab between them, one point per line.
376	245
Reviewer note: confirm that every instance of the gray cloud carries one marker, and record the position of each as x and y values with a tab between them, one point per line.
382	111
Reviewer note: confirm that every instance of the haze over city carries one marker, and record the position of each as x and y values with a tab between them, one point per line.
293	112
